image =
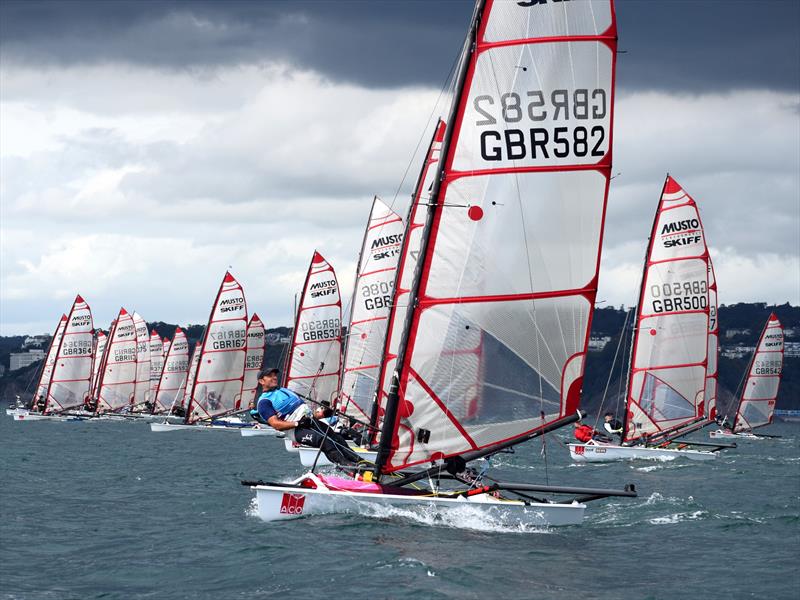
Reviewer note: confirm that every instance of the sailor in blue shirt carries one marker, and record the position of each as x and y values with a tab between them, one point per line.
282	409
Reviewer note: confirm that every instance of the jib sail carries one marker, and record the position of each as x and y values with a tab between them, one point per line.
218	382
509	261
117	381
757	404
256	340
314	360
173	375
72	370
667	380
371	303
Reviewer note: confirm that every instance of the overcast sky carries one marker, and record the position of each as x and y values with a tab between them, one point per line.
145	147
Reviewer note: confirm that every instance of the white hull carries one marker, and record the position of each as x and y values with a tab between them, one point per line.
290	444
278	503
607	453
29	416
260	431
727	435
160	427
308	455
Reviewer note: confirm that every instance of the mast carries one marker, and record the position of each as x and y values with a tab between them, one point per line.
510	252
47	367
760	392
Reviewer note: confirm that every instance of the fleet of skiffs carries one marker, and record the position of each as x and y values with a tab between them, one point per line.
469	321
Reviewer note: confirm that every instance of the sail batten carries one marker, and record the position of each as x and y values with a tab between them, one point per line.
511	249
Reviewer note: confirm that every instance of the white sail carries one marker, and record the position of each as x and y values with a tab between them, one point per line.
117	381
314	359
666	385
165	344
713	346
220	372
370	306
193	364
256	340
142	391
156	363
72	371
99	354
510	260
50	360
173	376
760	392
405	270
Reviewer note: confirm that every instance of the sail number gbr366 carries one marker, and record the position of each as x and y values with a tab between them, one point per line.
538	125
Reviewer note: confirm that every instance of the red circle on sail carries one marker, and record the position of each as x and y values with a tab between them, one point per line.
652	332
437	456
475	213
302	354
363	336
406	409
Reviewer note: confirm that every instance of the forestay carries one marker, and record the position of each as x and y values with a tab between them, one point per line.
220	372
370	306
50	360
142	389
118	373
409	255
156	363
757	404
667	380
314	360
713	346
72	370
511	259
256	340
173	375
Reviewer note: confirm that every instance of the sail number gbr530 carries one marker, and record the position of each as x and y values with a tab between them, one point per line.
517	124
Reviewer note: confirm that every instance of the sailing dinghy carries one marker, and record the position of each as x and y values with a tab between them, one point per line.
69	378
216	390
756	406
668	371
510	248
172	382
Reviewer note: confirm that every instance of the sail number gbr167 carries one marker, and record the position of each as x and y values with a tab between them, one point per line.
518	135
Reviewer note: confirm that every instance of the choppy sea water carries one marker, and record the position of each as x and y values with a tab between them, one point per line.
111	510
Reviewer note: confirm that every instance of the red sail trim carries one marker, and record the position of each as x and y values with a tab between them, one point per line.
315	342
672	314
367	321
316	375
361	368
428	301
703	256
602	167
319	306
368	273
608	40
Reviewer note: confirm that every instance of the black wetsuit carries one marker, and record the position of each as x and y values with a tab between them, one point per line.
321	435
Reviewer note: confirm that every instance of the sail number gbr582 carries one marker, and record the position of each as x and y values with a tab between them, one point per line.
517	124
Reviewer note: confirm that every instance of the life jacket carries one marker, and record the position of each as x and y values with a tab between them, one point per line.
584	433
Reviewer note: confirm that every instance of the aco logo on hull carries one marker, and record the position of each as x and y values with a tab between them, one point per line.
292	504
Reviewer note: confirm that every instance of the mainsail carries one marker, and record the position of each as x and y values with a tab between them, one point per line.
314	359
50	360
409	254
117	380
173	375
220	371
667	380
757	403
193	364
156	363
256	340
509	258
71	376
99	354
713	346
142	391
371	303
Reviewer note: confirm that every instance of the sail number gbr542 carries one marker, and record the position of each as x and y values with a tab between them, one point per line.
536	125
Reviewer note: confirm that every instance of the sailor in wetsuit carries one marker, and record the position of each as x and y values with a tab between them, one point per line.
612	425
282	409
587	433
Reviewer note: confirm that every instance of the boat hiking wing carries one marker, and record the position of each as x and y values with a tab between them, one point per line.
71	377
142	388
190	376
370	306
50	360
315	356
713	346
667	379
757	403
156	363
117	382
511	249
218	382
409	255
256	340
173	375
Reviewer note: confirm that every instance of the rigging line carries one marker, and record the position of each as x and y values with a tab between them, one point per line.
446	85
611	370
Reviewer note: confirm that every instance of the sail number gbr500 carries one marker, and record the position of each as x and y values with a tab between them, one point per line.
518	124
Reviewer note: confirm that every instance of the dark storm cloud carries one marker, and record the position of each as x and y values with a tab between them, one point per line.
675	45
696	45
